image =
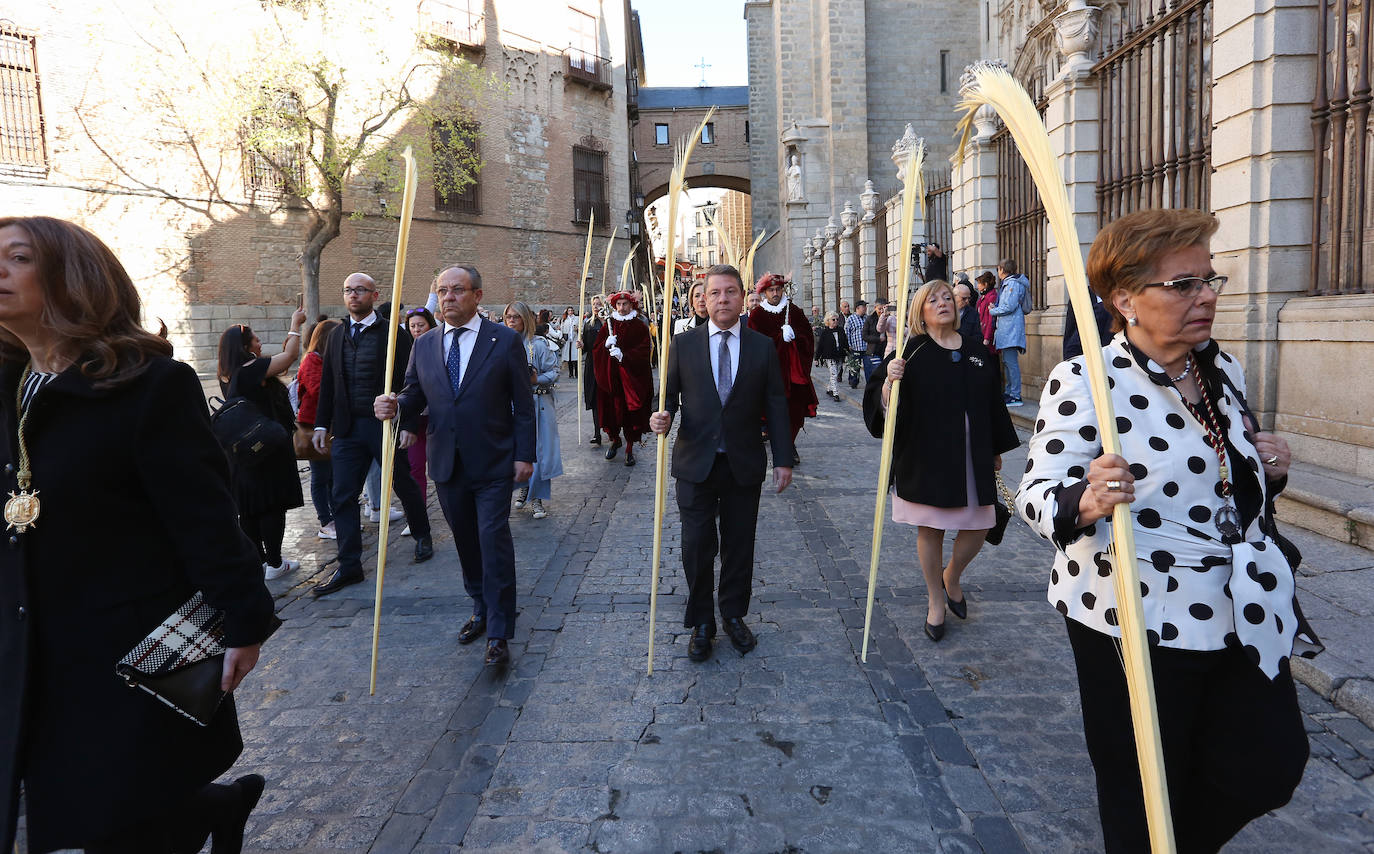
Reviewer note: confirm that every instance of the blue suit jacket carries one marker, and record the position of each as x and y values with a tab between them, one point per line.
489	424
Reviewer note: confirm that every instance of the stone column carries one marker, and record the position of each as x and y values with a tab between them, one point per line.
849	221
868	245
832	264
974	203
899	263
1264	68
817	267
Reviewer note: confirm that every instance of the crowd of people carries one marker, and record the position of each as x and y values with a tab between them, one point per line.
95	406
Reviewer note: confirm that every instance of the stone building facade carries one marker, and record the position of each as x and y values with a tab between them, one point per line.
206	252
833	84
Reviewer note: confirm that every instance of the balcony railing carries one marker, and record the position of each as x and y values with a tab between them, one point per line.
454	25
588	68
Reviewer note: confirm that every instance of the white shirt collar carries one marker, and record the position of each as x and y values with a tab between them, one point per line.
366	321
733	330
474	323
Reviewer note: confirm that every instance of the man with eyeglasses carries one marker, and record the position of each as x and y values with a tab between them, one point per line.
473	377
353	375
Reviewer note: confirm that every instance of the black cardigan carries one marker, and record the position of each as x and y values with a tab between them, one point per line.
937	393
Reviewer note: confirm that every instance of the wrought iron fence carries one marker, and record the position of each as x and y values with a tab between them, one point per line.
1021	220
1341	200
1154	79
939	225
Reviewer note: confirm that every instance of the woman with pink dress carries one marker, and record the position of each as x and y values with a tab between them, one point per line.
952	429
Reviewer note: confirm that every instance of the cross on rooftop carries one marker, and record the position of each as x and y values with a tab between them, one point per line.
703	65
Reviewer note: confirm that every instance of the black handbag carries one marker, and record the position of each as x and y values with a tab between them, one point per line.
181	662
1003	511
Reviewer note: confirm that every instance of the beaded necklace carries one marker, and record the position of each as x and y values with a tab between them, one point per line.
1226	519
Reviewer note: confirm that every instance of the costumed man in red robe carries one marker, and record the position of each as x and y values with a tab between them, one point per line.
624	376
791	332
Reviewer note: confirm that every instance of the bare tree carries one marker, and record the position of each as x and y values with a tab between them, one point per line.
308	102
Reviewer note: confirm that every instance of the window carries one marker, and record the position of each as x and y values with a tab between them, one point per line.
746	131
711	258
708	133
273	154
660	134
589	185
585	64
454	144
21	113
944	72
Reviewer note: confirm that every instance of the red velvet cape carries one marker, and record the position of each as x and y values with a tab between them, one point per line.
624	389
794	356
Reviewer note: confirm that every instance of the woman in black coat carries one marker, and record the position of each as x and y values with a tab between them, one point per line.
264	492
832	349
135	517
952	429
591	328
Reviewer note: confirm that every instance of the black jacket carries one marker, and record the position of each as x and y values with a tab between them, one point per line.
1073	342
928	457
757	395
334	412
831	344
969	327
872	337
136	517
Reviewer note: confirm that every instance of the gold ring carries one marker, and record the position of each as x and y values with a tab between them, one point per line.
1113	486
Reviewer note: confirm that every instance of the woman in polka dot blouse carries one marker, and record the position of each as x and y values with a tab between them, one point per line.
1218	593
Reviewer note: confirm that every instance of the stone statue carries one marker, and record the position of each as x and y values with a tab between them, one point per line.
794	180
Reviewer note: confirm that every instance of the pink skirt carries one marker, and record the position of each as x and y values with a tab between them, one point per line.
974	517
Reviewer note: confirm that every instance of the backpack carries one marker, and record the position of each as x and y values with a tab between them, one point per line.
1026	305
245	432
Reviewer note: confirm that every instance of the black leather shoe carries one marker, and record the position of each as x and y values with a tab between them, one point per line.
699	647
629	455
935	632
338	581
595	440
227	835
424	549
796	459
610	452
498	653
473	629
960	608
741	638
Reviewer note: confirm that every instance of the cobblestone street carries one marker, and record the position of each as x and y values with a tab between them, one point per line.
970	745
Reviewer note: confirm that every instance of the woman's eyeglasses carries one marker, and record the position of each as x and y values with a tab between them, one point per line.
1189	287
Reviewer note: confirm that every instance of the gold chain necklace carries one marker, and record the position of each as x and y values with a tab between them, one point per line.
21	510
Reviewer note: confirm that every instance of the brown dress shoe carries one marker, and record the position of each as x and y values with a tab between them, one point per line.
498	653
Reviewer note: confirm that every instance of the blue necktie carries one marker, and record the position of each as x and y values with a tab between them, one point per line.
455	361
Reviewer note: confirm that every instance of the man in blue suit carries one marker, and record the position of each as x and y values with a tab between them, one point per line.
474	377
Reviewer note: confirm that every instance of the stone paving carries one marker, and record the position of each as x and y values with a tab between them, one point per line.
969	745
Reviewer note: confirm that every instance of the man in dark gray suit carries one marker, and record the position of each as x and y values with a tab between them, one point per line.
726	380
474	377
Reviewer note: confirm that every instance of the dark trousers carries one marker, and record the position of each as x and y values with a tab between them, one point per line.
266	530
352	456
322	490
871	364
479	515
1234	743
737	508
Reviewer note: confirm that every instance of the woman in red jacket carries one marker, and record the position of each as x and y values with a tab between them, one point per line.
987	298
308	390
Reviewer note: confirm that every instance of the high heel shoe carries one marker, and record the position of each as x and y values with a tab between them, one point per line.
935	632
959	608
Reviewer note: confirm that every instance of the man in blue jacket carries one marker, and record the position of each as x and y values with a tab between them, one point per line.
474	377
1010	337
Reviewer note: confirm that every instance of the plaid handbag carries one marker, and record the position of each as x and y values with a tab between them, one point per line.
181	661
